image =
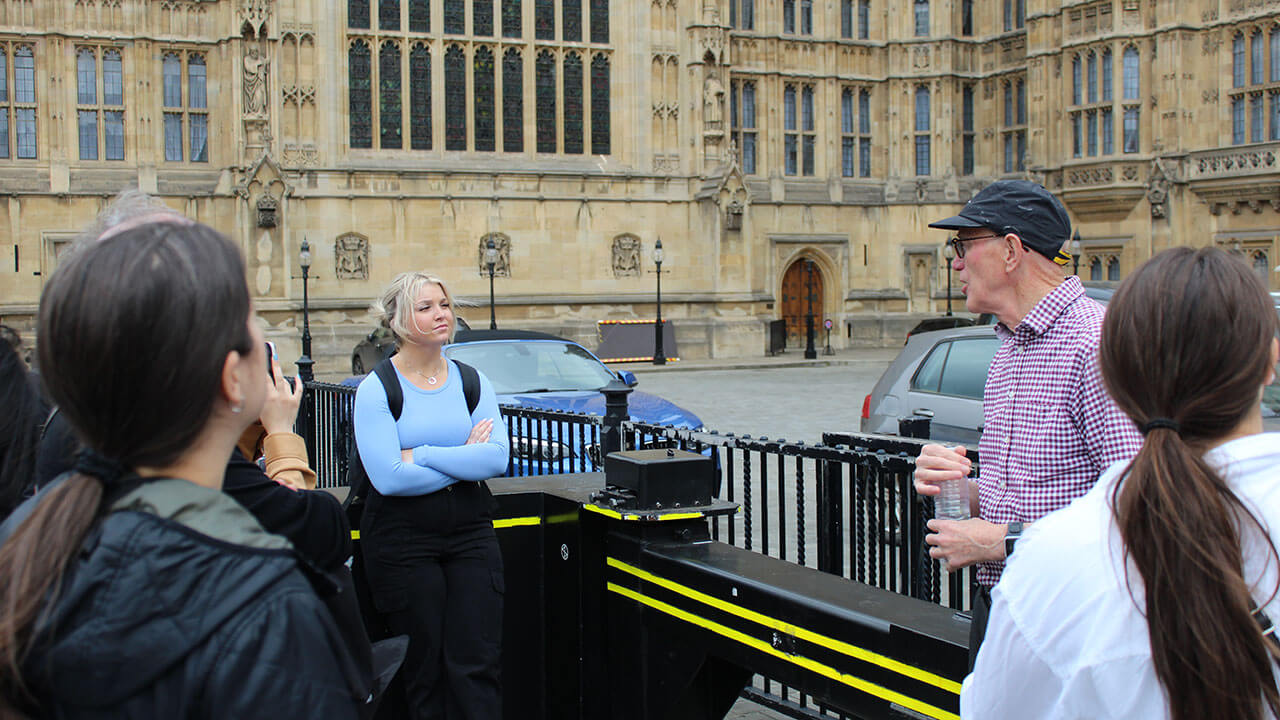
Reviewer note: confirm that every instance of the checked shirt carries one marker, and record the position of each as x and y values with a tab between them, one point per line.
1049	427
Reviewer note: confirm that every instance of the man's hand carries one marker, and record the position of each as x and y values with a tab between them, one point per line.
961	543
937	464
281	406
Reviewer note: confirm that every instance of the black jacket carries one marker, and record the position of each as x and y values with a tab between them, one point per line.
181	606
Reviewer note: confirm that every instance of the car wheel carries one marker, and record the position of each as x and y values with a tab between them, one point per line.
357	365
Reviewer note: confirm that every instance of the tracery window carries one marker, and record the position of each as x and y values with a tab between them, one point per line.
101	124
358	14
864	133
600	130
967	133
455	98
544	19
1093	118
922	124
600	21
545	79
194	113
573	104
388	14
511	19
483	98
360	94
1255	94
571	23
1014	134
742	118
455	17
389	119
420	97
419	16
482	17
921	18
512	101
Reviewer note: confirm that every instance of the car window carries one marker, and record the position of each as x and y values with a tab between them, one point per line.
930	372
523	366
965	373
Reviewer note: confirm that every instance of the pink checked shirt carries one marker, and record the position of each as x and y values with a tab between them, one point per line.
1049	427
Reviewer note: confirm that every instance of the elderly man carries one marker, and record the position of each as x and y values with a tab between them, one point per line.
1049	427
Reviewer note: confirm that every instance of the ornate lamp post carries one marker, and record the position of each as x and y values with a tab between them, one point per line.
810	352
659	357
305	362
949	254
1075	253
491	259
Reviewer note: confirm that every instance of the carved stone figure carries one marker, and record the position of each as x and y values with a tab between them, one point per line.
255	82
713	103
351	257
626	256
502	243
1158	190
267	206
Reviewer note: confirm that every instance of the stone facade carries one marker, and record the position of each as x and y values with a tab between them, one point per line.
749	135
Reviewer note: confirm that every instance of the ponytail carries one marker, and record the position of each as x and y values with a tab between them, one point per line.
32	563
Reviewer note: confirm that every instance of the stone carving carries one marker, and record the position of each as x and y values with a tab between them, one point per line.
1158	190
920	58
1210	43
305	155
1209	97
501	268
351	257
1235	163
713	102
1129	173
255	82
1090	176
267	206
626	256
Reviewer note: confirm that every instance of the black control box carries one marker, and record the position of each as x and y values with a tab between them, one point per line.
662	478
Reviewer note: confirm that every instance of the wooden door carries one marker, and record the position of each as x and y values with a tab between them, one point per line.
795	302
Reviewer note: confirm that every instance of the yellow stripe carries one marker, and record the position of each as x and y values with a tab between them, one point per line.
807	635
813	666
632	516
516	522
355	534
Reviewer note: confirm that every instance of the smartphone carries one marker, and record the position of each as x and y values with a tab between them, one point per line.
271	353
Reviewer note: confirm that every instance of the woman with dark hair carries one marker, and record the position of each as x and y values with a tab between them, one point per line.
132	587
24	414
430	551
1151	595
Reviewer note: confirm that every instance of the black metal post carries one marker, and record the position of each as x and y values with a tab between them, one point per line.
1075	254
810	352
827	350
491	259
659	356
948	255
615	412
305	362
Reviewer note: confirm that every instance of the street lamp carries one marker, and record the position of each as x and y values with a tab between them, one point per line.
659	357
491	259
305	362
949	254
810	352
1075	253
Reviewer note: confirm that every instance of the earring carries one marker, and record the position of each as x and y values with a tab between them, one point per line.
236	409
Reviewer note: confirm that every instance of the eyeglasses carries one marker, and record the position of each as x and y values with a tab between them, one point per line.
957	243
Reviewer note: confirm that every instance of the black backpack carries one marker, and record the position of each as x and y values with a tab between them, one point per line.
360	487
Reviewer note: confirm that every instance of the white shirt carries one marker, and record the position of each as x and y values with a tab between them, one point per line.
1067	636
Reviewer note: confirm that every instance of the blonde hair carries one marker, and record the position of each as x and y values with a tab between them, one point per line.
394	309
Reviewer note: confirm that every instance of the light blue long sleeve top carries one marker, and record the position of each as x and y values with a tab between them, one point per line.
436	425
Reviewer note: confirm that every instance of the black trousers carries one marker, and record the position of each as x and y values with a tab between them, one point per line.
978	628
435	570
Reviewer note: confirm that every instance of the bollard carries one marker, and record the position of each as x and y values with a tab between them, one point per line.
615	412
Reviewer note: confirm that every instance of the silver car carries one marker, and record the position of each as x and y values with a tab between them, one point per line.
939	375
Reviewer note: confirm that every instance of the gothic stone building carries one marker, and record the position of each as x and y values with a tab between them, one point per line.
750	136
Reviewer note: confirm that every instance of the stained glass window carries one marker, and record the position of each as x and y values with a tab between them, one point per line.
600	120
511	19
455	98
420	97
389	14
599	21
573	104
482	17
420	16
545	101
483	101
455	21
358	13
389	115
544	19
512	101
572	28
360	97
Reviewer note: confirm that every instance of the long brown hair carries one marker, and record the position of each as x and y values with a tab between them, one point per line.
134	331
1187	339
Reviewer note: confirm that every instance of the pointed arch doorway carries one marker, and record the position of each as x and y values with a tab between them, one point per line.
796	288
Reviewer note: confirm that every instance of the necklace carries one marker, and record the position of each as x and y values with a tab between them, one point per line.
431	379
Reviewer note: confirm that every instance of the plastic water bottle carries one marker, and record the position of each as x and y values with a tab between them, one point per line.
953	502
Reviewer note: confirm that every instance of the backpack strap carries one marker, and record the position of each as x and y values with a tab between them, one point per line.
391	384
470	385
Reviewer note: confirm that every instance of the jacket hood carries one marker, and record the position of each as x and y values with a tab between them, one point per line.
161	573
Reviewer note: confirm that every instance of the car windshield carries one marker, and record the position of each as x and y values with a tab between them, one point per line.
521	366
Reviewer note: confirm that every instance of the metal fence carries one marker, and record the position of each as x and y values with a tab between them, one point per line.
845	506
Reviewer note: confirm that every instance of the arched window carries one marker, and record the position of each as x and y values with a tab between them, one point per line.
389	112
482	17
420	97
922	18
198	104
600	114
1237	60
360	94
846	18
87	78
1275	54
455	98
1257	57
573	104
864	19
545	101
1008	103
1022	102
922	131
1108	80
511	19
1095	269
1132	90
1113	268
512	101
1261	265
483	99
1091	68
388	14
1077	72
358	14
791	140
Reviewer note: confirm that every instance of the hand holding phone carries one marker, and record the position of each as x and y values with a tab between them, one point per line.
283	397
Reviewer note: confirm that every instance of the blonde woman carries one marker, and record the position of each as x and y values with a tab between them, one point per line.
431	555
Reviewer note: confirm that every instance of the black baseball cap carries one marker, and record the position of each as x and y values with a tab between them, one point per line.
1020	207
